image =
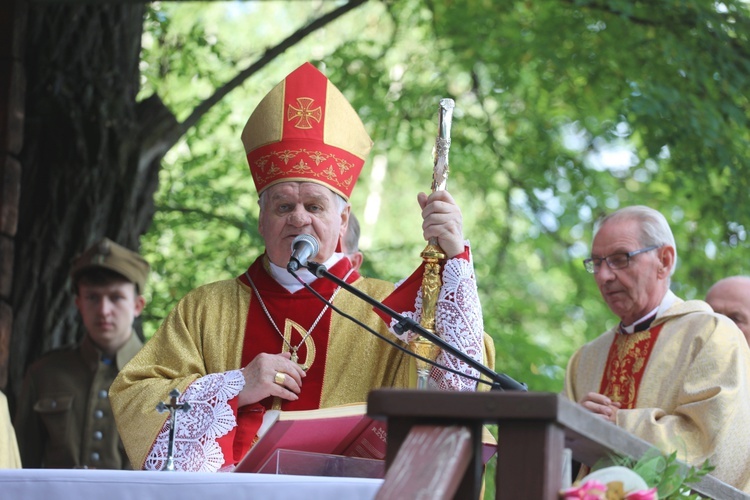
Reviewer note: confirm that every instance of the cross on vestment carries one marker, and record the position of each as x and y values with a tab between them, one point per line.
172	407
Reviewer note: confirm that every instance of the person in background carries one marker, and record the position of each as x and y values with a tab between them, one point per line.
672	372
64	418
237	348
9	456
731	297
350	243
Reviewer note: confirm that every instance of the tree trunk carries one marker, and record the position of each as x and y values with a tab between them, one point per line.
91	156
83	176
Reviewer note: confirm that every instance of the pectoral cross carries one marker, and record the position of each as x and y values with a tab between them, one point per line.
172	407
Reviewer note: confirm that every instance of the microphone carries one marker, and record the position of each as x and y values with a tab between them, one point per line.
498	381
304	247
319	270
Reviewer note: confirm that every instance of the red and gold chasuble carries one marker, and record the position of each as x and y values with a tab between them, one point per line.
626	362
294	314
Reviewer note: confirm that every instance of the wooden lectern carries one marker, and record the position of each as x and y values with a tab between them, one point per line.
534	428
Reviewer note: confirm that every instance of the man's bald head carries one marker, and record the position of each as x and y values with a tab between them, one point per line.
731	297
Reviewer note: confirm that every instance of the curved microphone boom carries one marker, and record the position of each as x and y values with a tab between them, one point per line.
304	246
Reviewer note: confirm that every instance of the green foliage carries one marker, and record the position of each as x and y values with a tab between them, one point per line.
565	110
671	478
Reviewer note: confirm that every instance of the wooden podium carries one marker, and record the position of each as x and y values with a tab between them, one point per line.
534	428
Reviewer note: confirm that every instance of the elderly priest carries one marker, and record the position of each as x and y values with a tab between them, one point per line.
672	372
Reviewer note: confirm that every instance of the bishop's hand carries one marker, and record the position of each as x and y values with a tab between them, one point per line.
271	375
442	220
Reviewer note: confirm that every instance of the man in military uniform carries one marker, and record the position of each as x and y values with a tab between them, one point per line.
64	418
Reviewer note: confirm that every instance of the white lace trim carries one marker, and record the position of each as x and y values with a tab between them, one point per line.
458	321
196	431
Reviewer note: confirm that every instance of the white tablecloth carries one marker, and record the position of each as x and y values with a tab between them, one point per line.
53	484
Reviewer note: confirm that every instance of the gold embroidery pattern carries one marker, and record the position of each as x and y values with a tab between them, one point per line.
302	168
318	157
261	163
344	166
286	155
304	113
328	173
299	162
627	359
273	171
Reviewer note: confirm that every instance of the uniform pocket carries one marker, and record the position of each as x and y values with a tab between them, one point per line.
56	414
53	404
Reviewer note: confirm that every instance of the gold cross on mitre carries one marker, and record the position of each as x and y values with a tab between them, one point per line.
304	113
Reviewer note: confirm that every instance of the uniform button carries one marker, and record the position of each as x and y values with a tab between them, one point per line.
102	394
95	457
98	414
98	435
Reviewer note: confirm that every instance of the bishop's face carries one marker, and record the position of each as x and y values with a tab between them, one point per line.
289	209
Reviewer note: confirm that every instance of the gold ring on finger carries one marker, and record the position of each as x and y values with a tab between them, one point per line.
279	378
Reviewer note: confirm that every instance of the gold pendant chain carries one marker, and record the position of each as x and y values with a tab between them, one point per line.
293	349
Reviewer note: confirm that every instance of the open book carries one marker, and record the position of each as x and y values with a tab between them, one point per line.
341	430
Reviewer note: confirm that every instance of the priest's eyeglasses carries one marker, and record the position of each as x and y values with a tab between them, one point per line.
614	261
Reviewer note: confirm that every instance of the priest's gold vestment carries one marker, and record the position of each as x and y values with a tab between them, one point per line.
694	395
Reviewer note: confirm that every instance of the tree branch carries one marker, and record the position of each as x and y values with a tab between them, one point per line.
241	224
160	130
266	58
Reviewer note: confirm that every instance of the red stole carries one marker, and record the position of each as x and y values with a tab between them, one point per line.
626	362
288	310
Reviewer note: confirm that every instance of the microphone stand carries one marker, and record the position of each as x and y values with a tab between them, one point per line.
500	381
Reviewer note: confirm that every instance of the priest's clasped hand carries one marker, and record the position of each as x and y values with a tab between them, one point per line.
271	375
601	405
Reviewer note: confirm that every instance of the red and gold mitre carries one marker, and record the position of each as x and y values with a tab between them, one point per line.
306	130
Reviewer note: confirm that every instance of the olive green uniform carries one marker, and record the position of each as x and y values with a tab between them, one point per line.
64	418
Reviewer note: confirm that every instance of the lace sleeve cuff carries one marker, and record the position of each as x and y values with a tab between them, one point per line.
210	416
458	317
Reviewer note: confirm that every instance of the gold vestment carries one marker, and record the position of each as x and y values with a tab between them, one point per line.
694	397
